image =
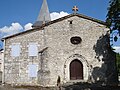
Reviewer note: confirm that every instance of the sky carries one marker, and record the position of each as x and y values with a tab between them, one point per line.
19	15
26	11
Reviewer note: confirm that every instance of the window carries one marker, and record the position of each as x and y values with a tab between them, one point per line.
33	49
76	40
15	50
32	70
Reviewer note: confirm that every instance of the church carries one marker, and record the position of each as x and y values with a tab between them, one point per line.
73	48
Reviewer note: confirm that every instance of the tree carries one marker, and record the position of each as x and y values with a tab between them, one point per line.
118	62
113	16
113	22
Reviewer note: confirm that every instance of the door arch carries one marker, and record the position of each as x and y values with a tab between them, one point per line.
76	70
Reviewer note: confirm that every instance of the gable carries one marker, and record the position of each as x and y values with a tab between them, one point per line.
78	15
58	20
74	24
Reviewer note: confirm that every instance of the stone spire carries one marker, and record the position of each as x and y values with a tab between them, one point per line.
44	15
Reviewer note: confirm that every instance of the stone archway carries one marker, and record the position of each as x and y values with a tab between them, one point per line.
85	66
76	70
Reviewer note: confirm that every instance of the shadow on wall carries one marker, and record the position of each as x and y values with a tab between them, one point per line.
107	73
98	74
104	77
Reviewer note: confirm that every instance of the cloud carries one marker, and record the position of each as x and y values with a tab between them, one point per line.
117	49
14	28
17	27
56	15
28	26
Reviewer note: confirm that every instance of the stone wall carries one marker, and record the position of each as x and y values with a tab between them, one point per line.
1	64
56	52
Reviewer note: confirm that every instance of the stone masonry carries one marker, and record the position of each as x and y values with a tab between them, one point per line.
56	52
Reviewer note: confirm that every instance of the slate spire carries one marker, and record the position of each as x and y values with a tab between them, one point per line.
44	15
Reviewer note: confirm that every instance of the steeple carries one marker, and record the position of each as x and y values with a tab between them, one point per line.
44	15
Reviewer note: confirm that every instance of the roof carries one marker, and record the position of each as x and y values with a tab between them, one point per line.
55	21
1	50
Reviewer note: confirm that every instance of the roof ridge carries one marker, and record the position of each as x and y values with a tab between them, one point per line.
57	20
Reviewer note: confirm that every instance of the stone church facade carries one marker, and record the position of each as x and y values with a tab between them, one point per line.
72	48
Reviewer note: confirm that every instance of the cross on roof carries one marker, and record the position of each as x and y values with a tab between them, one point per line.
75	9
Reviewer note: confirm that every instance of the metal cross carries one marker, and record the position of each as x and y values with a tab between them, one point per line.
75	9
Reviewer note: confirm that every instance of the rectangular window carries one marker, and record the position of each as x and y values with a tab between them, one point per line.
33	49
32	70
15	50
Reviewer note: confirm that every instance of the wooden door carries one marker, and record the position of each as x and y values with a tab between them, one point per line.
76	70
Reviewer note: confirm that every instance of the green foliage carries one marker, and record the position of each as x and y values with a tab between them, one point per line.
113	16
118	62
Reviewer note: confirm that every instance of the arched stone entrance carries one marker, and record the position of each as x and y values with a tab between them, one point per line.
76	70
82	61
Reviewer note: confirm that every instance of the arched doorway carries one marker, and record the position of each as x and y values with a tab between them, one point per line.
76	70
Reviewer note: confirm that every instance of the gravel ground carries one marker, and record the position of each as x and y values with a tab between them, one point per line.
7	87
10	88
72	87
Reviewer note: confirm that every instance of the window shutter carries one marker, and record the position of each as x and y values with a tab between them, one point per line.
33	49
32	70
15	50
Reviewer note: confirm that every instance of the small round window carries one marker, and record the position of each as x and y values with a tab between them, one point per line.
76	40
